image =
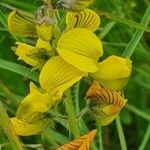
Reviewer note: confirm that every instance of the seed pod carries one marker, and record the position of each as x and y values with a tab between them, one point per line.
104	104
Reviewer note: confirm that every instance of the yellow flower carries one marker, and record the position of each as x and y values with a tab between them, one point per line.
113	72
33	55
81	48
75	5
24	25
34	105
57	75
26	129
104	104
86	19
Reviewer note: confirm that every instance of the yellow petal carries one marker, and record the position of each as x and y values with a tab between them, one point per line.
86	19
113	72
44	31
34	105
26	129
23	51
81	48
43	44
20	24
107	120
57	76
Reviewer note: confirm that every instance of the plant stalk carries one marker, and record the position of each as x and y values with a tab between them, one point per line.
73	122
121	134
100	137
145	139
8	129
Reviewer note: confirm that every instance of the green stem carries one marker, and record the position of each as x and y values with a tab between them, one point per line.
76	97
73	123
121	134
137	35
145	139
19	69
138	112
106	29
83	112
7	127
100	137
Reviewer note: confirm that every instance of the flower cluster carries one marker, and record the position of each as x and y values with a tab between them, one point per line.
64	57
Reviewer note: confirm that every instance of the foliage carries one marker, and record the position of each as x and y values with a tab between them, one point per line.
120	32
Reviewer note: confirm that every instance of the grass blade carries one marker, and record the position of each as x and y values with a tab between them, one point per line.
7	127
19	69
124	21
138	112
137	35
145	139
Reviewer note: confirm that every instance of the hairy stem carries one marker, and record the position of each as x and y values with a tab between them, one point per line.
73	123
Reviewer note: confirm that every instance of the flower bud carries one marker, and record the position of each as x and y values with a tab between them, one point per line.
104	104
45	19
34	105
114	72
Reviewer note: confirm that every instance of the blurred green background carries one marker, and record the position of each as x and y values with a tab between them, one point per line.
115	37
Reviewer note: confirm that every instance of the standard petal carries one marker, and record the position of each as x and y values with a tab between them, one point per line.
20	24
81	48
26	129
86	19
23	51
57	76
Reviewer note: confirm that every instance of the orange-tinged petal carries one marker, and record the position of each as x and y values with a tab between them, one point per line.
104	104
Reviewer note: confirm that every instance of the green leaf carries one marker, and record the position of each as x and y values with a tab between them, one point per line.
19	69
